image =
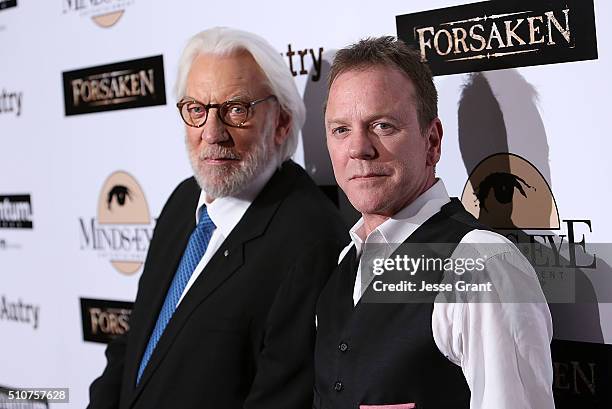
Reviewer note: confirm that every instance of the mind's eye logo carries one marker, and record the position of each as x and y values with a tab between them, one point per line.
121	193
124	220
506	191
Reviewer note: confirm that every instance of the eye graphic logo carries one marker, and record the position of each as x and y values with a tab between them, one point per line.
505	191
123	212
123	228
119	192
503	185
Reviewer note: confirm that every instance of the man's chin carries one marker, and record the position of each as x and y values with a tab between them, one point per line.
224	180
218	172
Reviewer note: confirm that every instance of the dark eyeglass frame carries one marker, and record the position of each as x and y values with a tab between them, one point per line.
246	105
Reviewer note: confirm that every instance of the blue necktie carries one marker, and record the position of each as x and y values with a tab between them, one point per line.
198	242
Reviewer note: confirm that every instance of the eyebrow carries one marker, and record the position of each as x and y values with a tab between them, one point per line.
371	118
241	96
334	121
237	97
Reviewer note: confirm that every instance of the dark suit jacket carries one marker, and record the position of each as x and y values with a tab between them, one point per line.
243	336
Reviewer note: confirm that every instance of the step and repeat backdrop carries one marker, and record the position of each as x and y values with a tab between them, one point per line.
91	145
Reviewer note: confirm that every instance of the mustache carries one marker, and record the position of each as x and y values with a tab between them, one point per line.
218	152
368	169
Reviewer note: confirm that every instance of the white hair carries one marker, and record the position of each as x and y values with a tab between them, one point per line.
224	41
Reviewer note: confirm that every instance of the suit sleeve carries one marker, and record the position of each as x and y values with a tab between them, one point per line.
104	392
285	366
502	347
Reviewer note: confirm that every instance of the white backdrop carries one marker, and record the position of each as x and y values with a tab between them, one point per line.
62	162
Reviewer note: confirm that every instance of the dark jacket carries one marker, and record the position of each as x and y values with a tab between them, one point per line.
243	336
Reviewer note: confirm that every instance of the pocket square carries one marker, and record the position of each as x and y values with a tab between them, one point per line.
397	406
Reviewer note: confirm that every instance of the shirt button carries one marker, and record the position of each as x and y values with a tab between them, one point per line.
338	386
343	347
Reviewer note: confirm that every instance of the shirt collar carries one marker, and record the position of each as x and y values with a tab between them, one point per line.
396	229
225	212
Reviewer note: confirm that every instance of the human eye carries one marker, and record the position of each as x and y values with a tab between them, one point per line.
235	113
339	131
196	110
237	109
383	128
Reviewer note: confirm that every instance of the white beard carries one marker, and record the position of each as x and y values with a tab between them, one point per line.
230	179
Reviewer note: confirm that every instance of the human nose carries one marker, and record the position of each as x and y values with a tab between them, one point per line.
361	146
214	131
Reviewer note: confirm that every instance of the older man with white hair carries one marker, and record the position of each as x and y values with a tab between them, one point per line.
224	315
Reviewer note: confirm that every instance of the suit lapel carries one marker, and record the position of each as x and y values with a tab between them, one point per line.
224	263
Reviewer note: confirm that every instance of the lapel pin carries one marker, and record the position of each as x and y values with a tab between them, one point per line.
226	253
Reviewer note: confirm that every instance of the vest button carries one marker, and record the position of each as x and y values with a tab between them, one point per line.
338	386
343	347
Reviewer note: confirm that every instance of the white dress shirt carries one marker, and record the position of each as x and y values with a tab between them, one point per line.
225	213
502	348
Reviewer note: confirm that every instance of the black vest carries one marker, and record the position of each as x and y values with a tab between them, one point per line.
377	354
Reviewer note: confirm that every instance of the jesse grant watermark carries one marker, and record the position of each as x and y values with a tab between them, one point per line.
427	268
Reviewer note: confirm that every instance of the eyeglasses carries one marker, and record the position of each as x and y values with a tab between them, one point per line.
231	113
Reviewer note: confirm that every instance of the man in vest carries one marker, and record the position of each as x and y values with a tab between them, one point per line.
384	138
